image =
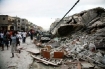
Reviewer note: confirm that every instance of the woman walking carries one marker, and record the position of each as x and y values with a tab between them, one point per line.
13	44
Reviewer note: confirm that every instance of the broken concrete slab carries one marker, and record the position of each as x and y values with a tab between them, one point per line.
66	29
44	61
34	51
84	20
86	65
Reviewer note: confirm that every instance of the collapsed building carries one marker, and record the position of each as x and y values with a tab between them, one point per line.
86	20
79	38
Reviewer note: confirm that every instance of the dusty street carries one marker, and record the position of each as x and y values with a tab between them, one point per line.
22	60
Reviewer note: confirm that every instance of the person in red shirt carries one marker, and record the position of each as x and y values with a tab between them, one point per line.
10	33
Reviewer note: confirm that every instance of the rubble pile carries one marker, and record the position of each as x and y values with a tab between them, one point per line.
87	20
77	48
82	45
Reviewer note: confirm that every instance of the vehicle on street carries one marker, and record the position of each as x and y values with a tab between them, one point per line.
45	37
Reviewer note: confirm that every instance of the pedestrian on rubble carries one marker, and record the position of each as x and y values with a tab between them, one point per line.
13	44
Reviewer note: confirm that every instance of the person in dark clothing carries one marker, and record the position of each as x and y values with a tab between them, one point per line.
31	36
17	39
31	33
6	40
1	40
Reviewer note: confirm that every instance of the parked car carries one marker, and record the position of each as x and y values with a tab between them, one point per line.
45	37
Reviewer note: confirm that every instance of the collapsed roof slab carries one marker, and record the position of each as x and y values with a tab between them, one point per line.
65	30
69	28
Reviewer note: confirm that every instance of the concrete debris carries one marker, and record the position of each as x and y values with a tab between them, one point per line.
81	37
103	60
34	51
86	20
46	61
17	55
86	65
80	46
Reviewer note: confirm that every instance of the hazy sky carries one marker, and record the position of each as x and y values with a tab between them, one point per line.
44	12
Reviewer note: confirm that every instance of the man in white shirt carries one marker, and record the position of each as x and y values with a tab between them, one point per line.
24	34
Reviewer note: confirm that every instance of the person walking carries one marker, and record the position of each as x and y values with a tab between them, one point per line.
18	36
31	34
10	34
1	40
24	36
6	39
13	44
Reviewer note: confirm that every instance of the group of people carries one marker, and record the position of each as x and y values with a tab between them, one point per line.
11	38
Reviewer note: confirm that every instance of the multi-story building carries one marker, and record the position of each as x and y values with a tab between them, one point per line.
21	24
18	22
7	22
15	23
24	24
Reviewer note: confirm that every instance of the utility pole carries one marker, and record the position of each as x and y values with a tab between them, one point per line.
65	15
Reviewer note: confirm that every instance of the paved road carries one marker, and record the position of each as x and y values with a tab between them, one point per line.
22	60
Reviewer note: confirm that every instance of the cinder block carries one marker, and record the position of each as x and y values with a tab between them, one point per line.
58	54
42	49
46	54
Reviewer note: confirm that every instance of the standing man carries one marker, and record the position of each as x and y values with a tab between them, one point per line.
24	36
6	39
31	34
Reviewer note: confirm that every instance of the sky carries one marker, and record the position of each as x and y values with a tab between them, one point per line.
44	12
